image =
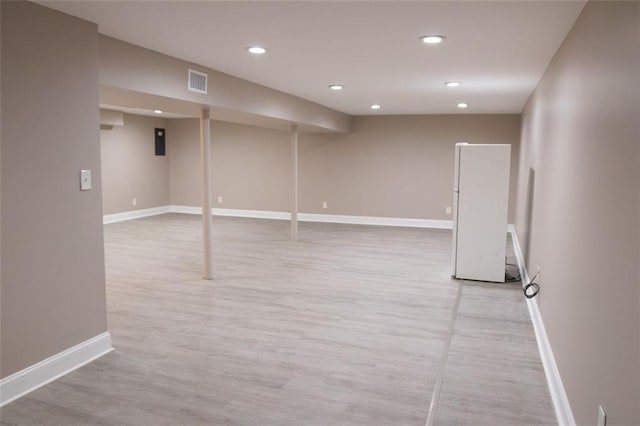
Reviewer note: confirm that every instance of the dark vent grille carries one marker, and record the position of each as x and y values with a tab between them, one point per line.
197	81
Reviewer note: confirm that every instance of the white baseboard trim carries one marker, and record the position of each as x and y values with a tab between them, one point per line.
373	220
134	214
279	215
559	398
185	209
255	214
31	378
317	217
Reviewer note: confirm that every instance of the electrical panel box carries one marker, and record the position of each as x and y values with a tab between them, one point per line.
160	141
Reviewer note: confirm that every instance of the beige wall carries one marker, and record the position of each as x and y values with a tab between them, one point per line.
251	168
579	218
393	166
130	168
53	282
184	164
251	165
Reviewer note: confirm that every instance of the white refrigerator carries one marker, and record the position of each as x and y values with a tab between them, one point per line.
480	206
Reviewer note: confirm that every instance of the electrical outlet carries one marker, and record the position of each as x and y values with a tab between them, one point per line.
219	199
134	201
324	204
448	210
602	417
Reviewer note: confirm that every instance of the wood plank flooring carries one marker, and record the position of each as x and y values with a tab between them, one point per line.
345	327
493	369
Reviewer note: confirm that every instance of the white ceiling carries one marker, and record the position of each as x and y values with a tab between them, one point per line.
498	50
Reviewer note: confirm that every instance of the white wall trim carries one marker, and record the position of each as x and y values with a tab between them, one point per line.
134	214
373	220
323	218
185	209
279	215
561	404
256	214
31	378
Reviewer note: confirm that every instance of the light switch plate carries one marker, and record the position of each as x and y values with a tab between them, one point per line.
85	180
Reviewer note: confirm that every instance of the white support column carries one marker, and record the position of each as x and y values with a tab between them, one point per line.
207	224
294	182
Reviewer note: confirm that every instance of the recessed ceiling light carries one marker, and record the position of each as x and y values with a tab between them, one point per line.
157	111
375	106
256	50
432	39
463	105
336	87
452	84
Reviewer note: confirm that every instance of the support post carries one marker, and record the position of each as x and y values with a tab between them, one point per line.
294	182
207	223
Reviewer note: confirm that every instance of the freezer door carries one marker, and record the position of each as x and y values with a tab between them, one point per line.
456	170
456	180
481	226
454	243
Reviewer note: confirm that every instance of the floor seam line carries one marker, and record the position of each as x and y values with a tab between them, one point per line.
435	396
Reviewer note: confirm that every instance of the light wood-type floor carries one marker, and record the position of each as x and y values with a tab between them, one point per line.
347	326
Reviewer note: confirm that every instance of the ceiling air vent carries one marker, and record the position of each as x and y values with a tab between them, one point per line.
197	81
